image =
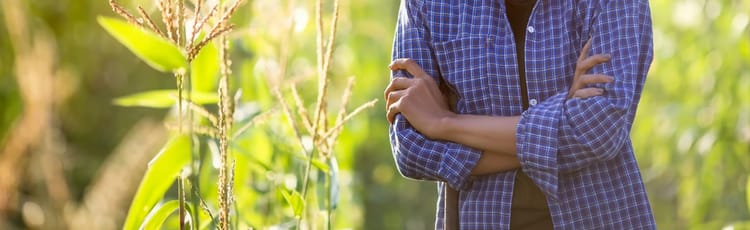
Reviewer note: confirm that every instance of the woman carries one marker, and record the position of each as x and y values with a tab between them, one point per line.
502	58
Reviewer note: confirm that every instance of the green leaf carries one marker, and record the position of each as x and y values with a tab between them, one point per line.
205	69
157	218
163	99
255	148
295	200
160	175
156	51
204	218
159	215
261	145
244	154
334	183
747	191
322	166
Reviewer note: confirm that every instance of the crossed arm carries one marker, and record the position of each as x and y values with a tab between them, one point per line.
559	135
426	108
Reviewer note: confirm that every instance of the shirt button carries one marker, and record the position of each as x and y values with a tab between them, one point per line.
532	102
530	29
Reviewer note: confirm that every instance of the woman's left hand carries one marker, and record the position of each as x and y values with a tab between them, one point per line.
418	99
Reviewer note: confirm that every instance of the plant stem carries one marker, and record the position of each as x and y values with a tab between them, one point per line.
305	182
320	110
180	81
181	198
225	121
329	206
195	160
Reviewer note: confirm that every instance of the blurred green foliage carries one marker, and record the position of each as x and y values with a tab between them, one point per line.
692	130
691	135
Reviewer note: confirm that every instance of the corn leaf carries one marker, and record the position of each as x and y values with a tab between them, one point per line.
163	99
320	165
334	183
160	175
205	69
160	214
204	218
295	200
156	51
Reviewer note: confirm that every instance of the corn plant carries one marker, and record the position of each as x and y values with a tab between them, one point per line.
193	47
316	125
177	49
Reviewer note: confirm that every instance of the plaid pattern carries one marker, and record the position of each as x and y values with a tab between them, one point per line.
577	151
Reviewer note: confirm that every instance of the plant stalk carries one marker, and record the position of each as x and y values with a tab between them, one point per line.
329	204
225	112
181	198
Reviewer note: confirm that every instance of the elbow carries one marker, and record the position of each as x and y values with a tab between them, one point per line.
403	158
607	146
589	147
601	128
405	168
406	160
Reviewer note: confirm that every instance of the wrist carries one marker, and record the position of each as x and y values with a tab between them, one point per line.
445	125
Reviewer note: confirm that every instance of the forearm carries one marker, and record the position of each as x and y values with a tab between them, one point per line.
490	163
494	135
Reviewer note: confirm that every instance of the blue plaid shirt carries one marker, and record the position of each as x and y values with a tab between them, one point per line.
578	151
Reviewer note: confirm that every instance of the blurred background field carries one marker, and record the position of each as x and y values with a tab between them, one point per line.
75	157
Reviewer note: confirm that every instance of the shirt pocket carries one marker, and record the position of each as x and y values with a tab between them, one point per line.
464	64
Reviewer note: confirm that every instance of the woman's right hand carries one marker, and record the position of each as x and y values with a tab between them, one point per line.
581	79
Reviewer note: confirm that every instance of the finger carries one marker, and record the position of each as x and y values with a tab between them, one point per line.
401	63
585	50
399	83
393	109
588	92
393	97
586	64
410	66
589	79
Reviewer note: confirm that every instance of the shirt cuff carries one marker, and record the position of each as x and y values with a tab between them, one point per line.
537	136
456	165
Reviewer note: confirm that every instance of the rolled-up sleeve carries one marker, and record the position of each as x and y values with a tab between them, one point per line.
565	135
416	156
